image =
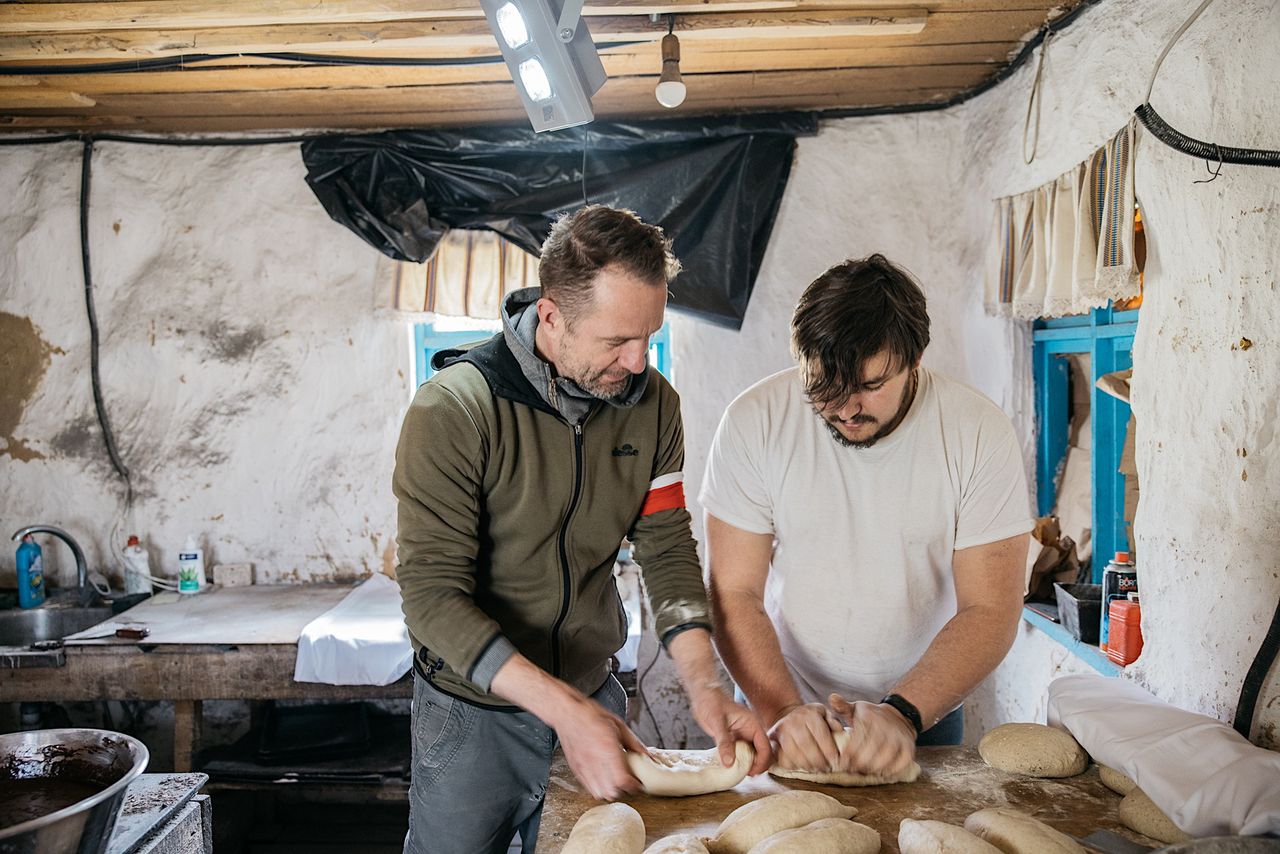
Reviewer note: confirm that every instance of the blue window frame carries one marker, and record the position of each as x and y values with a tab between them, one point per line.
1107	336
427	341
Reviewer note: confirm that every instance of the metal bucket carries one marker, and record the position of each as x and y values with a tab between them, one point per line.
53	765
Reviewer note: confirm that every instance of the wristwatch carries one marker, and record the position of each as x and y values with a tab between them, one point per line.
909	711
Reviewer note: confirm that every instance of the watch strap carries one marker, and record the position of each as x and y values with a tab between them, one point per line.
907	709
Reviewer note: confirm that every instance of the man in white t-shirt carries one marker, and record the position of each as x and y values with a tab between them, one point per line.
867	523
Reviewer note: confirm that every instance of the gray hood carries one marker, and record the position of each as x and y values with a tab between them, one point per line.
519	330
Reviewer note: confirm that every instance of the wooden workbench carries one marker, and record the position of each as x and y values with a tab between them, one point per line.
955	783
188	674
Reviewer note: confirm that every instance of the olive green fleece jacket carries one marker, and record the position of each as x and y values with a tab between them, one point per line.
510	520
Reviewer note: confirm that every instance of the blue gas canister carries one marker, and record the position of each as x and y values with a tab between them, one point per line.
30	573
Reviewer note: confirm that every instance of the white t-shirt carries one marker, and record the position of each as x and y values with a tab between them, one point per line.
860	581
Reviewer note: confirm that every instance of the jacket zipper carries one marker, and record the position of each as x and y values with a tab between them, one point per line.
565	575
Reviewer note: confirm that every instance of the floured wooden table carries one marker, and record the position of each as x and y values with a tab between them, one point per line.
955	783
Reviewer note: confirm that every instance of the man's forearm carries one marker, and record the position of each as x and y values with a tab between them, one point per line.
534	690
962	654
748	644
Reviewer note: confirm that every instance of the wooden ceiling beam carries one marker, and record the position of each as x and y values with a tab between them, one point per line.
40	98
418	40
643	61
134	44
848	84
22	18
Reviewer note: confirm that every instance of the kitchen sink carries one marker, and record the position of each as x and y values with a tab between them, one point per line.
53	620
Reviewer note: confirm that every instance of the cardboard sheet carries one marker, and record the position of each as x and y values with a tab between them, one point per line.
222	615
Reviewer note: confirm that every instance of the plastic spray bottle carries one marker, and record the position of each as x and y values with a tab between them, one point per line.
30	573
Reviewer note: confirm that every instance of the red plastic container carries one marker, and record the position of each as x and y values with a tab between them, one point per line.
1126	631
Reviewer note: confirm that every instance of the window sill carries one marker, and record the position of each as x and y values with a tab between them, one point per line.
1086	652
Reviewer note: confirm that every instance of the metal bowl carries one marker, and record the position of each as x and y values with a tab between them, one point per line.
79	758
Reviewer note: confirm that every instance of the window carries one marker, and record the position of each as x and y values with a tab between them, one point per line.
1105	336
431	338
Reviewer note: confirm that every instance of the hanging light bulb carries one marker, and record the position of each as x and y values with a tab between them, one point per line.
671	90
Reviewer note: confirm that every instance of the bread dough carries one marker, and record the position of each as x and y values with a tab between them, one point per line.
938	837
825	836
1033	749
676	773
1138	812
1115	781
680	843
755	821
844	778
607	829
1014	832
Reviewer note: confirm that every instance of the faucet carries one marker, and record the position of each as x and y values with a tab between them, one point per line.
82	568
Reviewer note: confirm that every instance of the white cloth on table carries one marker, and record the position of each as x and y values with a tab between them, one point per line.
360	641
1201	773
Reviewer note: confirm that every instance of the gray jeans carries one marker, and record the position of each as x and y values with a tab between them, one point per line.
479	775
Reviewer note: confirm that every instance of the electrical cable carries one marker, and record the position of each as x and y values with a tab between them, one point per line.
98	403
1035	99
585	132
644	702
1179	141
184	61
1256	676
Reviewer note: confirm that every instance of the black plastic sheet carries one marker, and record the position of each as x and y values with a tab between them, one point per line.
714	186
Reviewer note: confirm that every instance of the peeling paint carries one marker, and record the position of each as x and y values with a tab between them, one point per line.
24	358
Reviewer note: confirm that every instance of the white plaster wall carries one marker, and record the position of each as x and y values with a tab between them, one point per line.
1206	535
255	398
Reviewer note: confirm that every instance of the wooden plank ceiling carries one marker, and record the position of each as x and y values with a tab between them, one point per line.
737	56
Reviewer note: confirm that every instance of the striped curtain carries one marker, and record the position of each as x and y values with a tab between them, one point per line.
467	276
1068	246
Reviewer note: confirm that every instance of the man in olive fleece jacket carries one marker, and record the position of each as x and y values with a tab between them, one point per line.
521	466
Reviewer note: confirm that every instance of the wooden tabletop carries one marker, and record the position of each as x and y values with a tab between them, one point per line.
955	783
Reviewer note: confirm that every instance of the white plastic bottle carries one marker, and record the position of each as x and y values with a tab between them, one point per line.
191	568
137	575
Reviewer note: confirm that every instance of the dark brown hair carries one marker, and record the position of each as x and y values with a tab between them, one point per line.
592	238
849	314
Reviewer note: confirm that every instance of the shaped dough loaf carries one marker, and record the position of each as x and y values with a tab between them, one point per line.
938	837
607	829
1115	781
1138	812
1033	749
825	836
1018	833
844	778
753	822
680	843
677	773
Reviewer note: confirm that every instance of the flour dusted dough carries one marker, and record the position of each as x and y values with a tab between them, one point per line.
675	773
1033	749
938	837
1138	812
608	829
680	843
755	821
825	836
1115	781
844	778
1018	833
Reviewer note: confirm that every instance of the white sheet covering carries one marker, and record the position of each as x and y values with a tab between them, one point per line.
1207	778
360	641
